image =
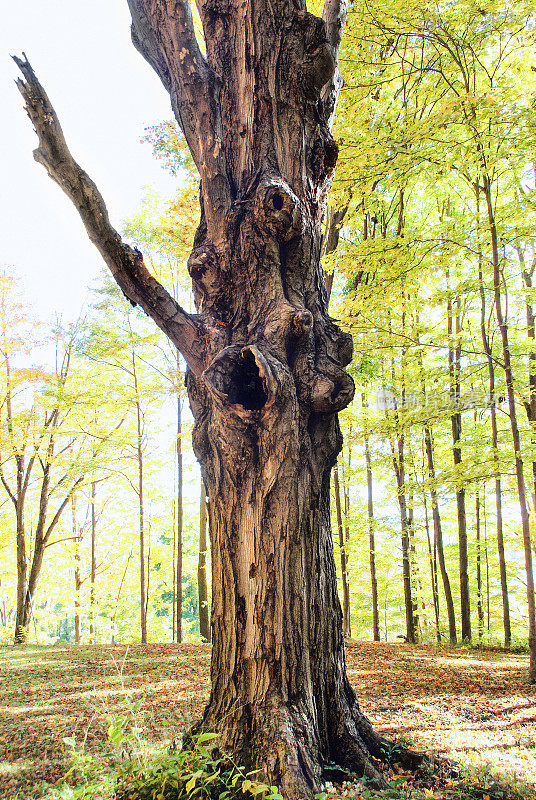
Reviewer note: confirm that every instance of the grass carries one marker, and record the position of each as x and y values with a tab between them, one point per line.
471	706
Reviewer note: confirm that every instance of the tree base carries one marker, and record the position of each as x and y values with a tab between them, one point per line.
280	741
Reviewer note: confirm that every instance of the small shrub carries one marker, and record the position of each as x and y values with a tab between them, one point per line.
201	772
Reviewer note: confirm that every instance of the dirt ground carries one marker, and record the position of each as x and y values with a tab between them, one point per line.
471	706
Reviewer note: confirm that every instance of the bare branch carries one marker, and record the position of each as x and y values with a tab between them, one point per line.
59	511
331	240
334	15
125	263
8	489
59	541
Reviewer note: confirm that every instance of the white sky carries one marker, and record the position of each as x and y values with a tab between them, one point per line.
105	95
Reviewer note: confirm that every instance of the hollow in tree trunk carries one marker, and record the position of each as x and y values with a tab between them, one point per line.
266	364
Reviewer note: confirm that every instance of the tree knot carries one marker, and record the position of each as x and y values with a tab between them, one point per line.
301	322
319	63
278	210
210	291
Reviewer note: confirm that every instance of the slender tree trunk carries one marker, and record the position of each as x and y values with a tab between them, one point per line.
480	606
438	535
486	559
495	448
22	619
347	627
372	541
399	468
433	568
141	508
346	497
178	567
77	576
174	570
397	448
93	573
530	404
516	439
456	424
117	599
420	622
204	617
439	552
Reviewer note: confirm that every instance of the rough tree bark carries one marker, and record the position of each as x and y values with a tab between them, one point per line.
266	363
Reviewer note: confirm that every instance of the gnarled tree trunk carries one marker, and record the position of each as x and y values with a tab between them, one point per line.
265	362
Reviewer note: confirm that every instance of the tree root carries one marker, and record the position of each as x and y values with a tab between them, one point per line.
281	742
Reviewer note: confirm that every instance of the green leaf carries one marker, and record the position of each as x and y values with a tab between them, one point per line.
70	741
206	737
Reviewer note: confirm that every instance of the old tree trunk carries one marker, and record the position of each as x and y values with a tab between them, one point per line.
265	362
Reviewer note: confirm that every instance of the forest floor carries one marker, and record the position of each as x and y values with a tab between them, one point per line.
471	706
